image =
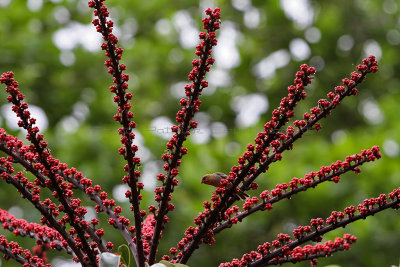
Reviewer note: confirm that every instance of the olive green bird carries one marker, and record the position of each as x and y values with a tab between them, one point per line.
215	180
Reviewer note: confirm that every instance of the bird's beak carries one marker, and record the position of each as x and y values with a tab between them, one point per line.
203	179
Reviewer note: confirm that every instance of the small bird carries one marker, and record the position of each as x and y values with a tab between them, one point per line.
215	180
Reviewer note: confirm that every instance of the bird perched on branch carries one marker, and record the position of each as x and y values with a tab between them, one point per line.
215	180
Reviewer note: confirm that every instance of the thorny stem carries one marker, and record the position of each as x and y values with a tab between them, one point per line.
8	254
268	259
287	195
214	215
93	196
42	158
52	222
227	200
19	159
299	134
43	238
177	154
130	154
293	260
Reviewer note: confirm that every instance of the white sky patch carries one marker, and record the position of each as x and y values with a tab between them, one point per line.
177	90
391	148
226	52
204	4
70	124
34	5
161	126
61	14
202	133
371	111
249	108
266	68
241	5
372	47
59	262
90	214
218	130
118	192
149	174
75	34
4	3
80	111
163	27
67	58
188	32
345	42
299	11
251	18
299	49
129	29
312	35
143	153
218	78
36	112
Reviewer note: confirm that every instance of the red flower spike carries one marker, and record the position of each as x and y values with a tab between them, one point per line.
184	117
280	117
219	213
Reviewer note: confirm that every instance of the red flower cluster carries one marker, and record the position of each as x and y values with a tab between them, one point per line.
190	105
46	237
64	226
308	252
287	249
104	25
268	148
296	185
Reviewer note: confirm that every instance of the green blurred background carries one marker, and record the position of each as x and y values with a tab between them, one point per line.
54	52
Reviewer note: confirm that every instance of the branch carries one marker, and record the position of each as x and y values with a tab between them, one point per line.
8	254
21	155
319	112
210	217
338	168
47	163
124	117
30	192
299	254
280	117
44	234
186	123
336	220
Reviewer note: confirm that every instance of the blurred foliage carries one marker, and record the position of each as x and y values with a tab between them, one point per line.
71	86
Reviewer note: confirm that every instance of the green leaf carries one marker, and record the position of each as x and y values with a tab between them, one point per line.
125	253
108	259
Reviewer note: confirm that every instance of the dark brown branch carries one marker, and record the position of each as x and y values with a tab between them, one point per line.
287	195
52	222
314	235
